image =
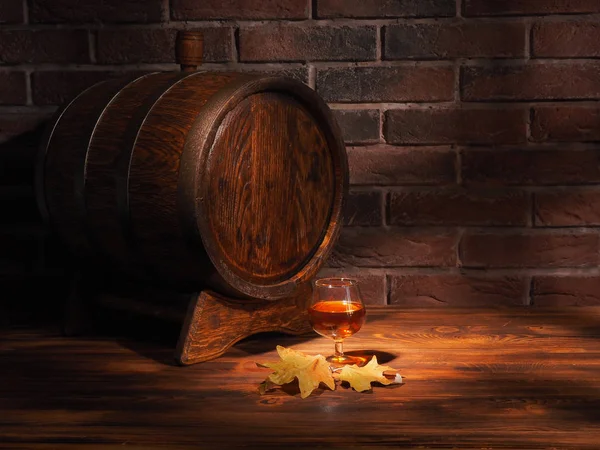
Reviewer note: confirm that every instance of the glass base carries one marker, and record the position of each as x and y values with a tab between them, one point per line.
342	360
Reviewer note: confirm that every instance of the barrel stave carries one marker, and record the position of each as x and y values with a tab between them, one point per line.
223	180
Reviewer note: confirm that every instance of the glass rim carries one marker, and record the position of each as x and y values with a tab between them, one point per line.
336	282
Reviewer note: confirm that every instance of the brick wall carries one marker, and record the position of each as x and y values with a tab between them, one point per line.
472	129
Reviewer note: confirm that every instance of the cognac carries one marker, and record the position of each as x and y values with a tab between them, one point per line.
337	319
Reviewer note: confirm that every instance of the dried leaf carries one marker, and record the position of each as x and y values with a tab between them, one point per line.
309	370
360	378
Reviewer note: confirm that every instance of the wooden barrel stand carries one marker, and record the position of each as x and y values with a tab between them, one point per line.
210	323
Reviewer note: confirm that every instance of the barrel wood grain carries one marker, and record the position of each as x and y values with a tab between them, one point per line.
266	187
150	183
108	160
474	378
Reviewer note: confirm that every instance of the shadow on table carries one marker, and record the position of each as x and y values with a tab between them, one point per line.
368	354
259	343
543	394
149	337
160	345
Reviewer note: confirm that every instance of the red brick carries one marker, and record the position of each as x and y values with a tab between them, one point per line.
574	207
371	285
566	123
57	87
238	9
459	207
457	290
531	167
363	208
528	7
386	8
447	41
84	11
280	42
13	90
377	247
11	11
44	46
566	40
550	81
358	126
566	291
157	45
299	73
455	126
386	165
387	84
539	248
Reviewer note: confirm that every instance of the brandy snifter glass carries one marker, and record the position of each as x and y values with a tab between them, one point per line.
337	311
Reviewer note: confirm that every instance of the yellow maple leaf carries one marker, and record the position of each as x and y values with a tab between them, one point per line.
360	378
309	370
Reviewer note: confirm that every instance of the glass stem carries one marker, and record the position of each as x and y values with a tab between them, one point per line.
339	348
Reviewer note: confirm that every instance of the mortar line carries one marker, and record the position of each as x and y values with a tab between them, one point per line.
28	88
25	12
312	77
305	21
385	207
235	47
532	215
92	40
386	288
378	43
381	122
528	38
457	83
166	11
458	166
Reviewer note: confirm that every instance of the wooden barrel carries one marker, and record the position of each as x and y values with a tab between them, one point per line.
226	180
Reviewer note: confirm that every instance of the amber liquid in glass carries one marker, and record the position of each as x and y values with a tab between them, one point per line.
336	319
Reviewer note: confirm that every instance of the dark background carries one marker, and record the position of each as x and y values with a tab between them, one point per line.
472	129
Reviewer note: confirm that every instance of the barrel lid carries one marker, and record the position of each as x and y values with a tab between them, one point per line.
270	187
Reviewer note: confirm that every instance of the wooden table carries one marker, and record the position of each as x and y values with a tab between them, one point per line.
506	378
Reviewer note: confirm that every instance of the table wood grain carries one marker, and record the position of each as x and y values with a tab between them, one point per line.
474	378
